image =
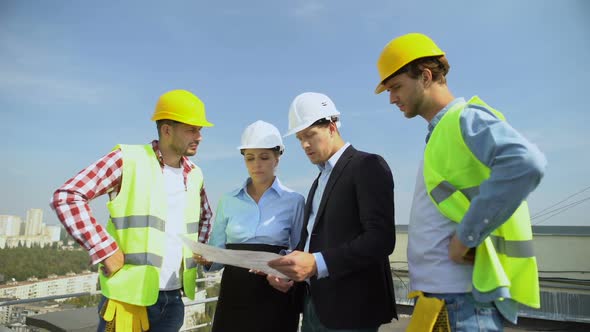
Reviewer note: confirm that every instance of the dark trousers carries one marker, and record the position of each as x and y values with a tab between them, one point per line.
312	323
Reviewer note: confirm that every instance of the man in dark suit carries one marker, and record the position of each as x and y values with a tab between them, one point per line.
342	259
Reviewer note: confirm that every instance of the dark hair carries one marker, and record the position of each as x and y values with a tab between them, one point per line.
160	123
324	122
439	66
276	150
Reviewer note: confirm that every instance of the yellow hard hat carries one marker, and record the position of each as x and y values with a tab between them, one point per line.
181	106
401	51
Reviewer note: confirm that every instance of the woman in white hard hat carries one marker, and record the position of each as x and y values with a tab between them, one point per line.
261	215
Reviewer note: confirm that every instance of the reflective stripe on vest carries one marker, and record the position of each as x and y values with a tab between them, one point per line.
444	190
144	259
192	228
453	175
521	249
138	221
190	263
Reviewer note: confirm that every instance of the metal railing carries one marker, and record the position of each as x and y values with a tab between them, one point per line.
31	323
97	292
575	293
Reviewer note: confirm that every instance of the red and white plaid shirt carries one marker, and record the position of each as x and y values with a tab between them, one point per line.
70	202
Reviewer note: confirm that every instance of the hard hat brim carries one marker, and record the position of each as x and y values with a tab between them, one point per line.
202	123
307	125
242	147
380	88
299	128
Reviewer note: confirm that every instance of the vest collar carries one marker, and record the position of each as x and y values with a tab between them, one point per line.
440	115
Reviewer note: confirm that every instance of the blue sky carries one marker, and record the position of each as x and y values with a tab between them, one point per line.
79	77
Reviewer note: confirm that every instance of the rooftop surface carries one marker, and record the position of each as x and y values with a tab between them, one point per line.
83	320
524	324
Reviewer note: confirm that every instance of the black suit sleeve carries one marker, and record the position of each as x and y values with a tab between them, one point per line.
373	187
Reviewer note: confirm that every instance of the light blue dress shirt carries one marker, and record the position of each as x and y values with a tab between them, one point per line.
325	171
517	167
276	219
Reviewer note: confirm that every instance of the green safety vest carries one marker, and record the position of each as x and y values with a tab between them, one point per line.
138	223
452	175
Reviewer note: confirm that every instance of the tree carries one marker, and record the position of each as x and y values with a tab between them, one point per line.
21	263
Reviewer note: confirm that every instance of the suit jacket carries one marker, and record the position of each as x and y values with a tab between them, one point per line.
355	232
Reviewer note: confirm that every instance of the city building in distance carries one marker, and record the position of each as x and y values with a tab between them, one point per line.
32	231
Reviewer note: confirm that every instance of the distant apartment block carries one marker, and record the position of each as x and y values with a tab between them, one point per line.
53	285
15	232
11	225
33	222
14	315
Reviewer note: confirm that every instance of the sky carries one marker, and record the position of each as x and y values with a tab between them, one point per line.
79	77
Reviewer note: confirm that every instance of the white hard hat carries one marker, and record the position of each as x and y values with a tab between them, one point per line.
261	135
308	108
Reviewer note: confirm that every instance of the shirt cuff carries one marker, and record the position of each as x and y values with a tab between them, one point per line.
99	255
467	236
321	265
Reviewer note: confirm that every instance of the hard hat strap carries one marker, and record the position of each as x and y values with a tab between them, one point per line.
276	149
325	120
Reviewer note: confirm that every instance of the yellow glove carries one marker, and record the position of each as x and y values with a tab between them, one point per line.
123	317
429	314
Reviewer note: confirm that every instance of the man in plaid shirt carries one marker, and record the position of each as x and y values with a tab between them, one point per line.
179	116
